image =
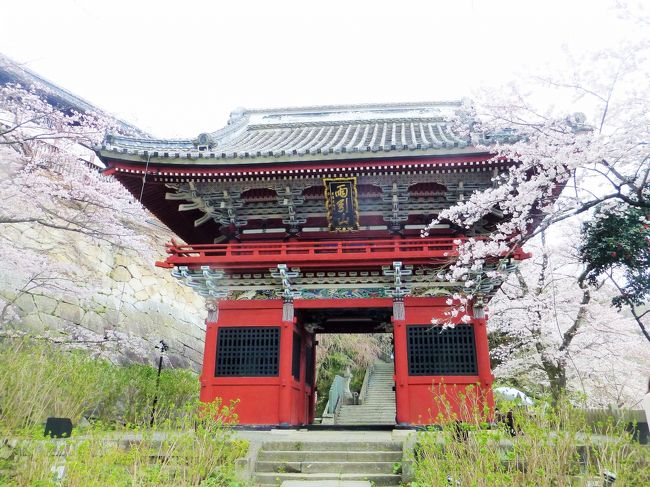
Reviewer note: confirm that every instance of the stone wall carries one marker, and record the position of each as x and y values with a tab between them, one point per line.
106	294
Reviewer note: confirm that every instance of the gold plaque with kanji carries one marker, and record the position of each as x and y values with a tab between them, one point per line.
342	204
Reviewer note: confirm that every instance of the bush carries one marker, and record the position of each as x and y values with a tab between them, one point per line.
190	444
38	380
200	451
551	446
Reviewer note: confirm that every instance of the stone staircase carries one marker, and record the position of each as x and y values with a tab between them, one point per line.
378	462
379	404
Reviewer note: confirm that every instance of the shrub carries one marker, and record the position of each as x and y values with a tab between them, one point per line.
551	446
190	444
38	380
200	451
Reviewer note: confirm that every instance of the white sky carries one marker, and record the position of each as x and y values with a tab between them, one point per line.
177	68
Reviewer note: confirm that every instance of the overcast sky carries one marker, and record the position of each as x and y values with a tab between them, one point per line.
177	68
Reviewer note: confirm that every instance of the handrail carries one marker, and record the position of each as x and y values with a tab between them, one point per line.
337	390
350	246
365	385
312	254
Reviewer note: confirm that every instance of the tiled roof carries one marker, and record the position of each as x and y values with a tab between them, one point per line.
331	132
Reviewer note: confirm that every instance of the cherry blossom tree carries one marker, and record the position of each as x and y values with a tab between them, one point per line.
48	180
551	332
53	174
595	160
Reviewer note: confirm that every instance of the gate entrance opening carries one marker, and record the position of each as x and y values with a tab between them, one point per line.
355	379
349	341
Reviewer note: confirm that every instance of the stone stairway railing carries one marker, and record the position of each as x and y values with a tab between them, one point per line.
364	387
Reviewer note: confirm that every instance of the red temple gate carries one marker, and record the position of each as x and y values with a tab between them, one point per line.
305	221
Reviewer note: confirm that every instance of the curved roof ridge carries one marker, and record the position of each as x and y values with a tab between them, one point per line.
354	106
233	128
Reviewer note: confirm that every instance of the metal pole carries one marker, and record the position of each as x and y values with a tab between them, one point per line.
163	348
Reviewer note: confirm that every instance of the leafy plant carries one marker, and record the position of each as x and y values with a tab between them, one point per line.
551	446
190	444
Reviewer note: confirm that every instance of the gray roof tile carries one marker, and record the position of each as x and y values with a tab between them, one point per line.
296	133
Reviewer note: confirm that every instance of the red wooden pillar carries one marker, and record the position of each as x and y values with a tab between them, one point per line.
483	361
304	388
209	360
312	395
401	372
286	353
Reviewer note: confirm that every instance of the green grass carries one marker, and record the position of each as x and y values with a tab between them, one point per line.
190	444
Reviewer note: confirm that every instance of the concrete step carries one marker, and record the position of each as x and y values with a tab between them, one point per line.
384	414
316	446
374	479
367	412
349	421
324	467
366	416
363	422
326	483
329	456
367	407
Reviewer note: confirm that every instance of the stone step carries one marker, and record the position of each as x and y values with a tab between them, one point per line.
374	479
349	421
324	467
384	397
367	414
315	446
330	456
326	483
360	419
369	405
364	422
383	414
372	420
